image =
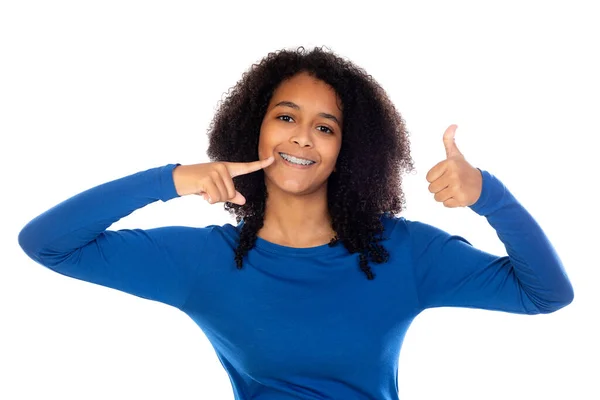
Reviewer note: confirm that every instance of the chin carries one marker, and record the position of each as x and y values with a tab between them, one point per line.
295	187
281	180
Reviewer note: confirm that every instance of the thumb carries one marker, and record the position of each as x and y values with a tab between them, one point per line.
449	142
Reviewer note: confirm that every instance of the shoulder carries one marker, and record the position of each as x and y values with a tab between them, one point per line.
223	234
401	228
180	237
397	225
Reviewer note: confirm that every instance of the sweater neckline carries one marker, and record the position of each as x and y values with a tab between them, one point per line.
293	251
271	247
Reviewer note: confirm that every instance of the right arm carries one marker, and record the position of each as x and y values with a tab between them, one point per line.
158	264
72	239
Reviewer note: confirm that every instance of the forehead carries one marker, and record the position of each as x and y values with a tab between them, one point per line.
306	90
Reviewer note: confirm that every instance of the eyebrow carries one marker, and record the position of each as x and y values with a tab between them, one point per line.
297	107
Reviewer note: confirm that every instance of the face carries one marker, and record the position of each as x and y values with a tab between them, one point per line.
304	120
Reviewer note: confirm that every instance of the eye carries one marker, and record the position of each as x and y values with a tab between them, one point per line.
284	116
327	131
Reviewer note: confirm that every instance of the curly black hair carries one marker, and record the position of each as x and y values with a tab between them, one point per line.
375	149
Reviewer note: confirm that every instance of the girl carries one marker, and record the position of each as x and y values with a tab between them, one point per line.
311	293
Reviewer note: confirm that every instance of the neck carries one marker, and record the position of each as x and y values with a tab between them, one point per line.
297	220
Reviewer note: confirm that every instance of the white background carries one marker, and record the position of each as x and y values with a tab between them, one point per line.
93	91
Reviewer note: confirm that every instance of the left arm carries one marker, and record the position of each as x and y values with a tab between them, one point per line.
451	272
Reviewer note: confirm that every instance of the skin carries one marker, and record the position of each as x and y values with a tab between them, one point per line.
296	213
454	181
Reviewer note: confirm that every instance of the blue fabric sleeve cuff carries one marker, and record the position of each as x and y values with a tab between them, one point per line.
492	193
167	184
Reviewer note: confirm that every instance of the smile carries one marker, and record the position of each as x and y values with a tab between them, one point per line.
296	162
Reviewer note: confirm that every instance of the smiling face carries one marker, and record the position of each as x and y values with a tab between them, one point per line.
304	120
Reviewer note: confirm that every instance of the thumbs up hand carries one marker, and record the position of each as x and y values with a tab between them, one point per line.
454	181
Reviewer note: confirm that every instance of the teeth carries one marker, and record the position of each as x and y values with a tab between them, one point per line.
296	160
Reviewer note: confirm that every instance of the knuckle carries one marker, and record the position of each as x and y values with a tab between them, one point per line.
221	167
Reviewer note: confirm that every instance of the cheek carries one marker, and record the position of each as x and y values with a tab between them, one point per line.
263	136
333	153
268	137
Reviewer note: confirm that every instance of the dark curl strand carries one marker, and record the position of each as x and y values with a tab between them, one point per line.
375	149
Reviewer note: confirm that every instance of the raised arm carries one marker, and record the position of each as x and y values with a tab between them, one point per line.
158	264
449	271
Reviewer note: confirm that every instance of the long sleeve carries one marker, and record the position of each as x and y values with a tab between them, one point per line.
449	271
72	239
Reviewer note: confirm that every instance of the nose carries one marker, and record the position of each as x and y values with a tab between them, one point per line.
302	136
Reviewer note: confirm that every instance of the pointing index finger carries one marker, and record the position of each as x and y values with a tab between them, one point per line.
236	169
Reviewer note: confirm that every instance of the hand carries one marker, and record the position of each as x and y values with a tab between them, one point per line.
455	182
214	180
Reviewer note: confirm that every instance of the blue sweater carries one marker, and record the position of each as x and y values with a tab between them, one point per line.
299	323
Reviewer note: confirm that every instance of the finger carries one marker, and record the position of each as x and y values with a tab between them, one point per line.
226	181
211	190
436	171
444	194
452	203
450	143
222	189
238	199
229	186
438	184
237	169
